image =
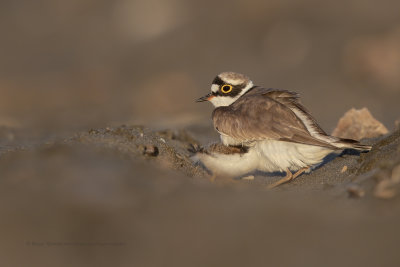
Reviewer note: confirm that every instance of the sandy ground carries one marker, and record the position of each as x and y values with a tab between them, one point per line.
130	196
76	193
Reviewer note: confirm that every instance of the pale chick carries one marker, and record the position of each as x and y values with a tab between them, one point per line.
276	133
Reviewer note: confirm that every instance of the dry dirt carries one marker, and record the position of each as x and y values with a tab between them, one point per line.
130	196
76	193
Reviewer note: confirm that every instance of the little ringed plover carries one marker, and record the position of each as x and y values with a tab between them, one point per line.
275	132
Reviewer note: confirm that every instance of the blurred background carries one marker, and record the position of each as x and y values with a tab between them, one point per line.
67	65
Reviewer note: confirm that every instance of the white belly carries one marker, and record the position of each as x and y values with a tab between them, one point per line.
266	156
229	165
279	155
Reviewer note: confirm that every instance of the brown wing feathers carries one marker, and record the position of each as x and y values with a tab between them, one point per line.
291	100
262	114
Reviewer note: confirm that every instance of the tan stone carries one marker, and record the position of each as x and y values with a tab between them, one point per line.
358	124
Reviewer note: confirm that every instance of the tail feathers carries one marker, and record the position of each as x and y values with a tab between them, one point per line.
352	144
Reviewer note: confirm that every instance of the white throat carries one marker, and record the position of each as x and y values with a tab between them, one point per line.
221	101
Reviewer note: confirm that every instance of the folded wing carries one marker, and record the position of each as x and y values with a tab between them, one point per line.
265	114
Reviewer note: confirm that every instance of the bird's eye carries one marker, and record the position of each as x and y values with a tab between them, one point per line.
226	88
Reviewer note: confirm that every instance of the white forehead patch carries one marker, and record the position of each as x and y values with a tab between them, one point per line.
214	88
236	82
234	78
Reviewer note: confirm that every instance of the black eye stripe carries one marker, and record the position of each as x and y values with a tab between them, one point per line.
236	89
218	81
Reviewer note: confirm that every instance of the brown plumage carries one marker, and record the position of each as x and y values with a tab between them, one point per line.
264	114
278	132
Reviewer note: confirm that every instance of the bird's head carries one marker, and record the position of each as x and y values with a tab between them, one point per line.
226	88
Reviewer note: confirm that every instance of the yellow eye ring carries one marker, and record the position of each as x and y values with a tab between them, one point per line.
226	88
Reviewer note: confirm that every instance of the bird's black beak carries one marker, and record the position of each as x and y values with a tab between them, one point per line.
205	98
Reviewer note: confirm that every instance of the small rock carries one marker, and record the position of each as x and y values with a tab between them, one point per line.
150	150
386	188
93	131
344	169
179	156
359	124
355	191
249	177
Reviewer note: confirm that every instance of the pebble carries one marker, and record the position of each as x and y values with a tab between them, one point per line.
150	150
344	169
358	124
355	191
